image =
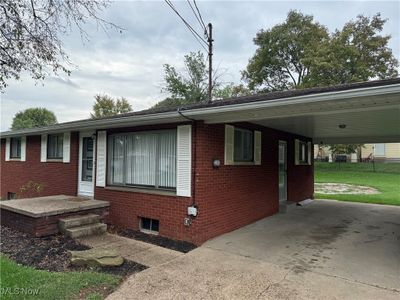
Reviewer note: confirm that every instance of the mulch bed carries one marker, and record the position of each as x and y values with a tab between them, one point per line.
161	241
51	253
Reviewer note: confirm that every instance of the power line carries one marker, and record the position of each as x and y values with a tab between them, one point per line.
194	32
197	17
201	19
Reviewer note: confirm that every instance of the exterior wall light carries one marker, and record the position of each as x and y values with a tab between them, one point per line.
342	126
216	163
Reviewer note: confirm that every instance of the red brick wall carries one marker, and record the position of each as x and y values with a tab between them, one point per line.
227	198
233	196
57	177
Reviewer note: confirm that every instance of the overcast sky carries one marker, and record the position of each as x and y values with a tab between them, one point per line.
130	64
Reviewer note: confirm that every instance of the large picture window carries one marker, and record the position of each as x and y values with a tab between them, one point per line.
15	148
55	146
243	145
146	159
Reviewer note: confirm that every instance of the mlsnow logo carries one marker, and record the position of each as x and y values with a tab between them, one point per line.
19	291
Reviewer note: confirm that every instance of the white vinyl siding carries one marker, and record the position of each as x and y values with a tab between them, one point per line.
146	159
184	161
101	151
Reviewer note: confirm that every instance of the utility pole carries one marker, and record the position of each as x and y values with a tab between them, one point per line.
210	53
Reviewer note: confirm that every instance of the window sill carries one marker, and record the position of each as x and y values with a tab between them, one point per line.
141	190
148	231
243	163
14	159
54	160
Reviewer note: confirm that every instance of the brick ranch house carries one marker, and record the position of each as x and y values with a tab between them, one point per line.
203	170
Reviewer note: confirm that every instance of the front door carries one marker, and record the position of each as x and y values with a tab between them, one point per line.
86	170
282	171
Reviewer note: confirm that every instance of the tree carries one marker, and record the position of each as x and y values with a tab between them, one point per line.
301	53
30	34
345	149
231	91
356	53
33	117
285	53
191	85
106	106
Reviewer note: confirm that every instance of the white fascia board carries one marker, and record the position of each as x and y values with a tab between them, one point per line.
200	113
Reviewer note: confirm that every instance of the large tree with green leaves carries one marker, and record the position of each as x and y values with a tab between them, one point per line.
33	117
190	85
106	106
302	53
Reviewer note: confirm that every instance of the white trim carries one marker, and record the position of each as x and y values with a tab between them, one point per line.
66	147
85	184
168	117
8	147
101	158
23	148
43	148
229	142
184	161
257	147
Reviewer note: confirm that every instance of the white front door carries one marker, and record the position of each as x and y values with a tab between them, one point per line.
282	171
86	170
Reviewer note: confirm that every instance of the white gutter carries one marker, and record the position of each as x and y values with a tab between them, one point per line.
174	116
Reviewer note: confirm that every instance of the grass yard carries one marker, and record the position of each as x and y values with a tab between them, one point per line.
20	282
386	179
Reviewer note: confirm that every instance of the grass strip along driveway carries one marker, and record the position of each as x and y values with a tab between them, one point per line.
21	282
386	180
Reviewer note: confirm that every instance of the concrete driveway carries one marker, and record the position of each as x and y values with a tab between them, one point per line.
325	250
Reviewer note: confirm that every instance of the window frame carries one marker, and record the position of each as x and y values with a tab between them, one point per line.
19	148
58	135
304	157
110	152
149	231
243	161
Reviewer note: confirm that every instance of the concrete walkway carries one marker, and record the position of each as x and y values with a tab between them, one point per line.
144	253
325	250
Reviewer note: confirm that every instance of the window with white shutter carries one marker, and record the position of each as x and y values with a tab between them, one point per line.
184	161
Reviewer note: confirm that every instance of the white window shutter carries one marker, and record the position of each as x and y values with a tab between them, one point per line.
101	163
257	147
296	151
229	144
7	158
23	148
184	161
43	148
67	147
309	151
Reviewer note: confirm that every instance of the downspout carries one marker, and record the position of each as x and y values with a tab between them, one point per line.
194	159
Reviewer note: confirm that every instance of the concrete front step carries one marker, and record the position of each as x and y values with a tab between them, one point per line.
76	221
86	230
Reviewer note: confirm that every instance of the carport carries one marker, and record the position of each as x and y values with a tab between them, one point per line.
367	112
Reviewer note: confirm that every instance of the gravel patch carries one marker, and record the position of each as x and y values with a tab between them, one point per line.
343	188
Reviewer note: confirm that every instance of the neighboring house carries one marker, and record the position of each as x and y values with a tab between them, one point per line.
382	152
386	152
195	172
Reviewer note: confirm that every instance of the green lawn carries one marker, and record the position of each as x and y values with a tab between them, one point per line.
21	282
386	180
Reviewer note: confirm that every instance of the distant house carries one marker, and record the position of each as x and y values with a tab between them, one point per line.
195	172
382	152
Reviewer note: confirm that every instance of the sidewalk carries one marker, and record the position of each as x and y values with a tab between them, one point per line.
144	253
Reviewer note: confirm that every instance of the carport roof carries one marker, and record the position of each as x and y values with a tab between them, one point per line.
270	109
